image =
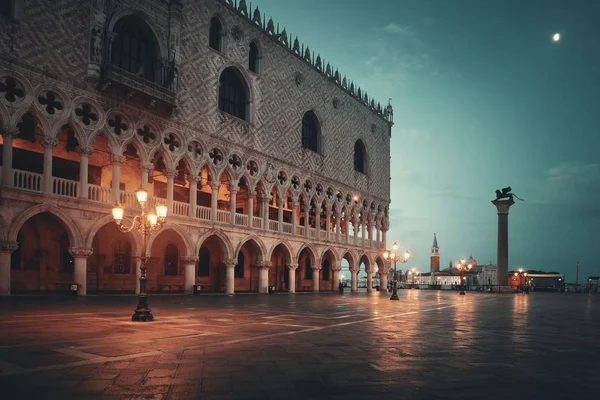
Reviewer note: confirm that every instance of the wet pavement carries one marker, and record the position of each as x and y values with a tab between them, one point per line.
428	345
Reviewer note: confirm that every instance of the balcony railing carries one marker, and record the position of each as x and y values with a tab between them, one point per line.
31	181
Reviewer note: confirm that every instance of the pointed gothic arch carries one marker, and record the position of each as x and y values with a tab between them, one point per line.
360	157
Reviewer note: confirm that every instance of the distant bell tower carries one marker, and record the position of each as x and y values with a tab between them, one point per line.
435	256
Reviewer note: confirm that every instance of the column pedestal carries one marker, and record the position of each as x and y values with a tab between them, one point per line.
502	207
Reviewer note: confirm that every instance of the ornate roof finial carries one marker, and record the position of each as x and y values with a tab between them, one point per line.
242	8
296	47
283	38
435	243
256	19
318	63
328	70
271	27
307	54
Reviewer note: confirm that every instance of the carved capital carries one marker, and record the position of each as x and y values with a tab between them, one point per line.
264	265
7	246
189	259
292	266
170	173
193	178
354	268
49	142
147	166
84	150
215	185
9	134
231	263
117	159
80	252
316	267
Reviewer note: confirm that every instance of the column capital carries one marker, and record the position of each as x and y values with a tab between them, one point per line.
336	266
234	188
316	267
80	252
189	259
193	178
354	268
84	150
170	173
502	206
8	246
264	264
146	166
231	263
117	159
292	266
9	134
215	185
49	142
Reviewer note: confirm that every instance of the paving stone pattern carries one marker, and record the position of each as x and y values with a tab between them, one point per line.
428	345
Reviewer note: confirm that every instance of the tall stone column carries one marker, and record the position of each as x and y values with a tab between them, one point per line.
6	249
264	202
190	273
355	224
233	202
7	156
335	272
145	168
338	226
318	223
294	216
347	231
316	278
230	269
250	208
383	279
263	276
280	214
214	198
354	278
84	154
292	277
49	144
383	237
306	219
80	256
502	207
170	174
328	224
116	161
369	279
193	182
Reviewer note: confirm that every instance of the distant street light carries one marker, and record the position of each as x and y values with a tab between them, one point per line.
392	256
463	266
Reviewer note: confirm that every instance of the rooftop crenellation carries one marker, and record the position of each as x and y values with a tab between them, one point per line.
293	45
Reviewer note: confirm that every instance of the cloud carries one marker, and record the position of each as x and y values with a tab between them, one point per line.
399	29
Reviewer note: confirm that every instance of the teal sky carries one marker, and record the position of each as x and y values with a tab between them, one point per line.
483	99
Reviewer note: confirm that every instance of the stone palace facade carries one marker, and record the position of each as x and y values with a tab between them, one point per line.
274	167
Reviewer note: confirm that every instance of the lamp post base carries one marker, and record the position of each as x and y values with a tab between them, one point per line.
394	295
142	312
462	292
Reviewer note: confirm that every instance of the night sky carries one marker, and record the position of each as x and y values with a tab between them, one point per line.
483	99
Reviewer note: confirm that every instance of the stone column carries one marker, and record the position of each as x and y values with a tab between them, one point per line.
250	208
502	207
265	211
263	276
80	256
347	231
335	272
306	219
292	277
214	199
190	273
318	223
383	279
369	272
383	237
49	143
84	153
338	226
294	216
233	202
145	168
170	174
354	278
280	214
6	249
370	232
355	224
230	266
328	224
193	182
7	156
316	278
363	228
116	176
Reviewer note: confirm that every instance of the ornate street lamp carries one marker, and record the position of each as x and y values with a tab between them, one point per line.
392	256
522	283
463	266
147	223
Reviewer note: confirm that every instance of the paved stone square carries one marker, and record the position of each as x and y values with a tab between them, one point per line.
428	345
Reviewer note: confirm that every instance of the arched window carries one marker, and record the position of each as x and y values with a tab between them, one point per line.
27	128
359	157
204	262
310	131
253	58
215	34
171	260
232	93
308	272
66	260
121	257
134	48
239	268
325	273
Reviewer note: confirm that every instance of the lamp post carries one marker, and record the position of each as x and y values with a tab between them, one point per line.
147	223
522	276
463	266
392	256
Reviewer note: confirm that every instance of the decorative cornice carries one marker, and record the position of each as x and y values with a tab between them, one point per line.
80	252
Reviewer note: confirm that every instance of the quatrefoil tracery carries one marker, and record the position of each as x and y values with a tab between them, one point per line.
252	168
172	142
117	122
51	101
146	134
86	114
235	161
216	156
282	178
295	182
10	87
195	150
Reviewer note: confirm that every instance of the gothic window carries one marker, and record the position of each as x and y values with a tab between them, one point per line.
6	8
171	260
66	260
121	257
308	272
359	157
134	49
232	93
27	128
239	268
325	273
253	58
310	131
204	262
215	34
